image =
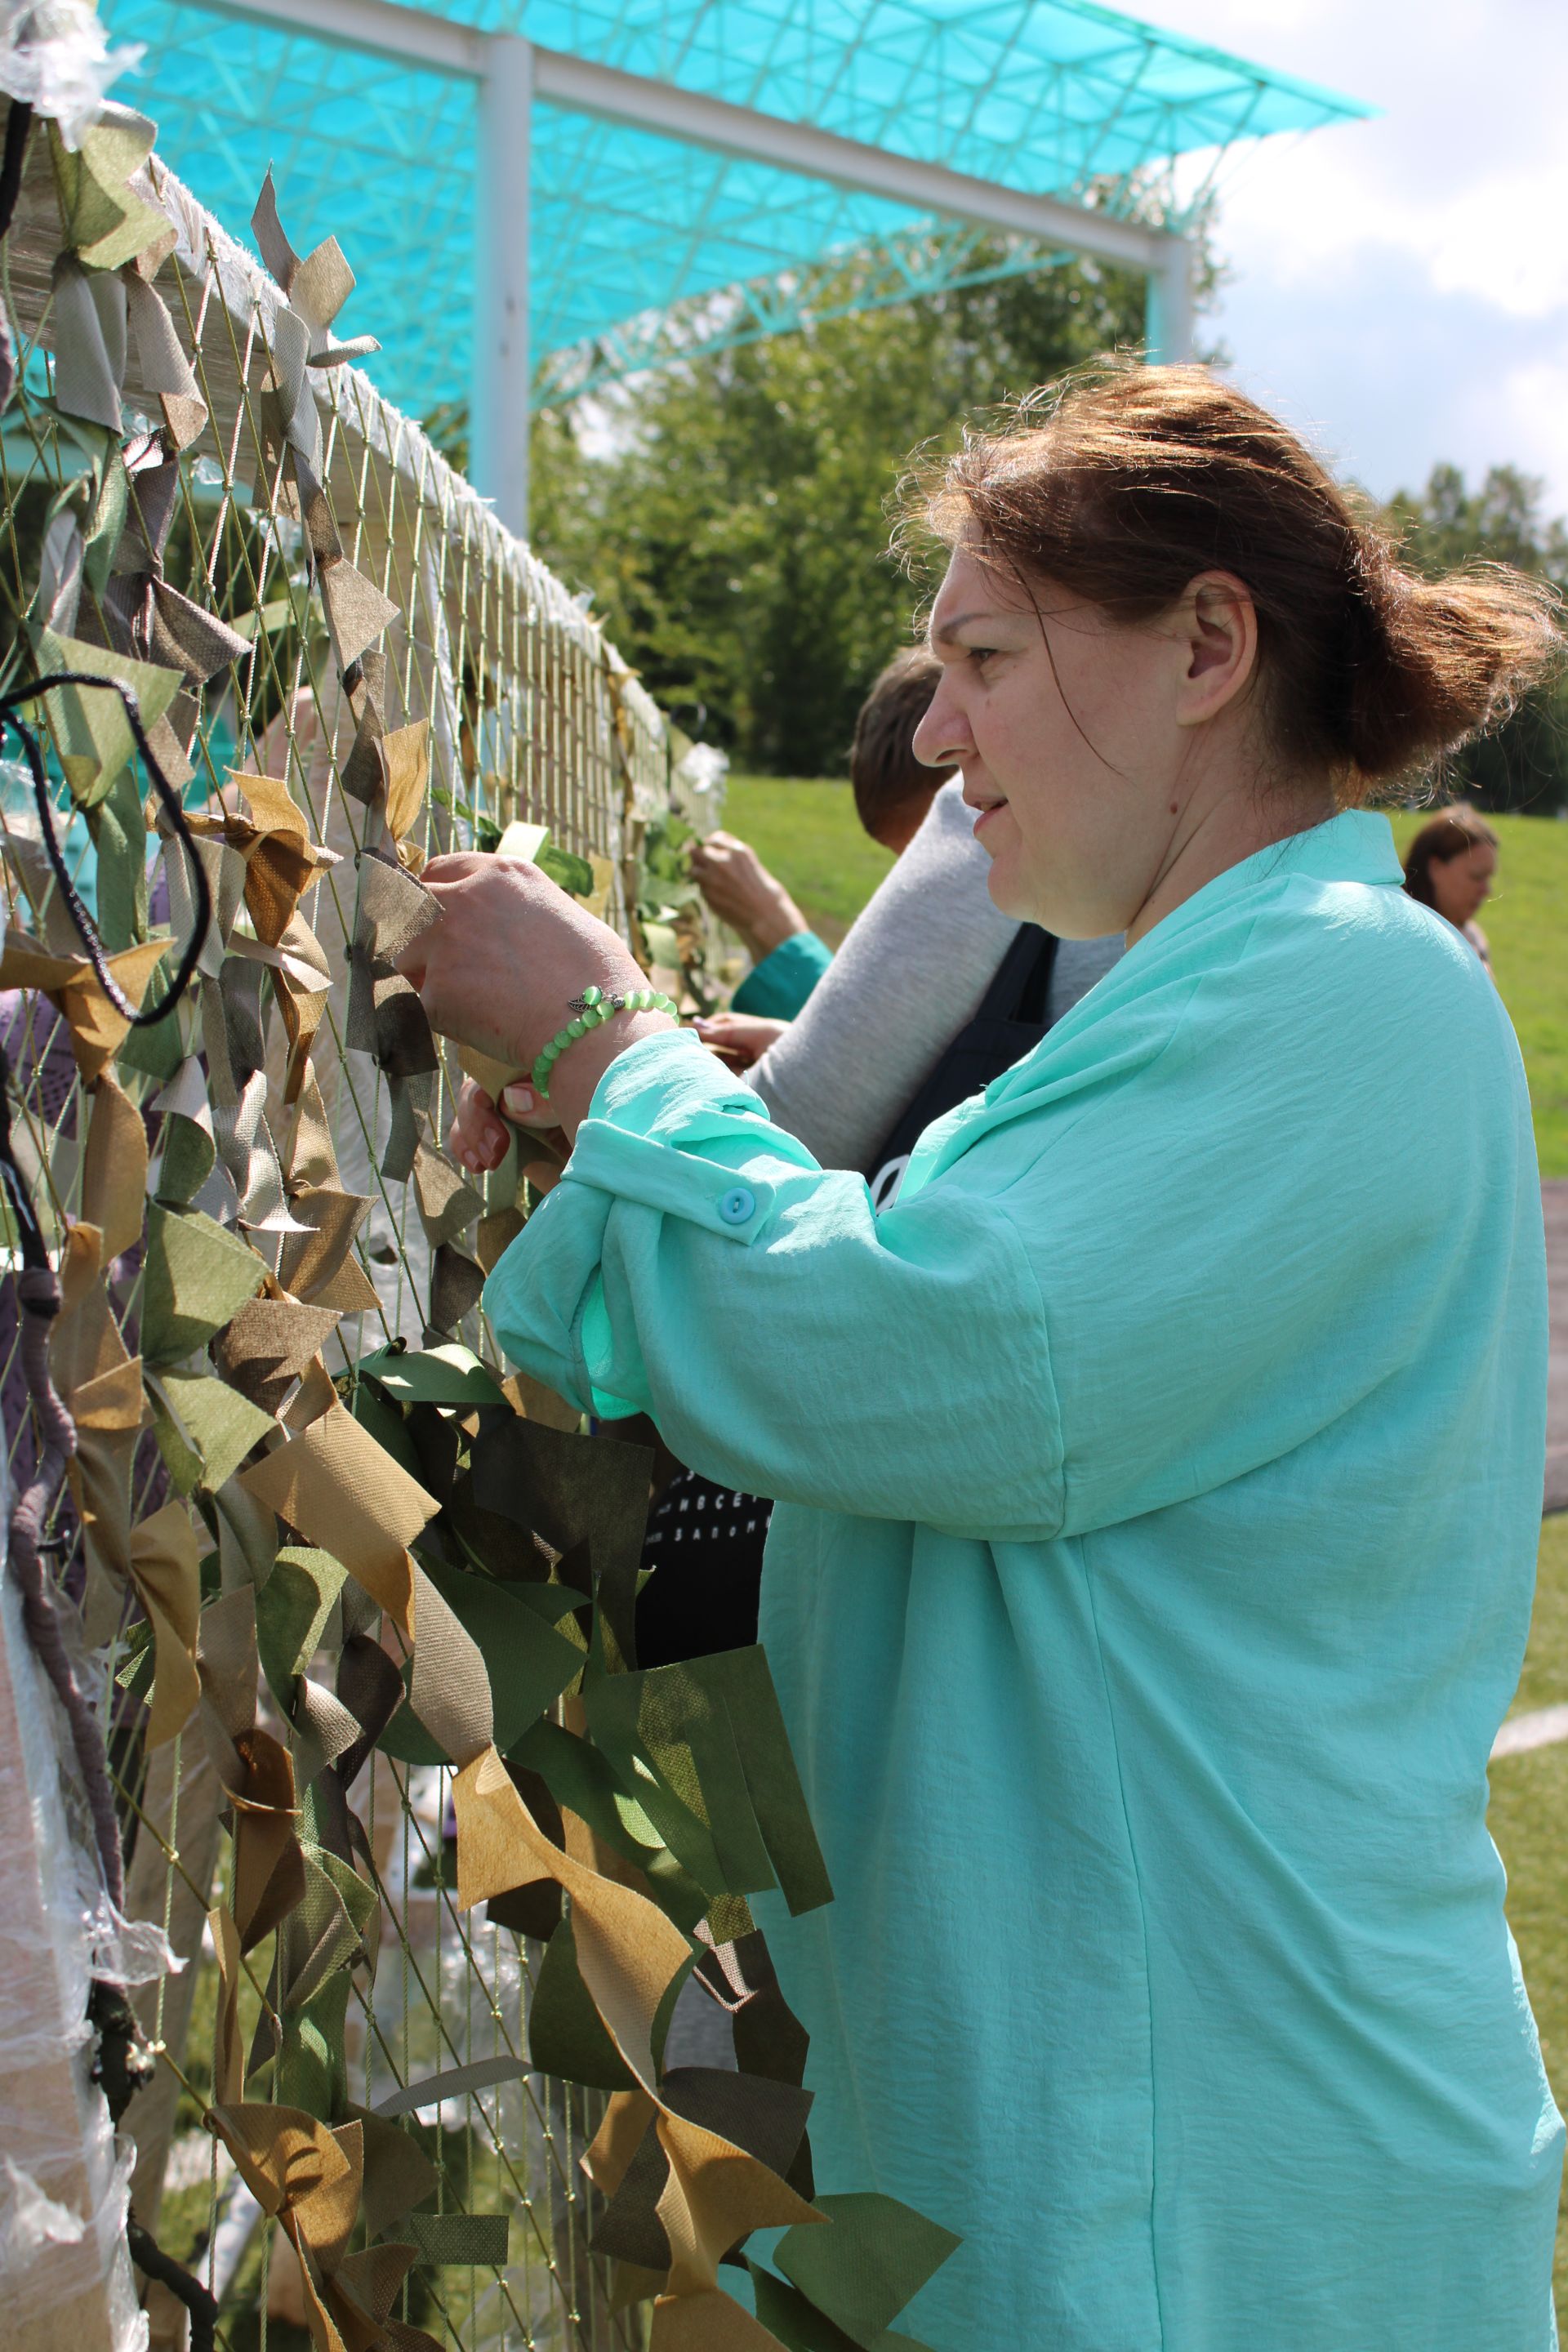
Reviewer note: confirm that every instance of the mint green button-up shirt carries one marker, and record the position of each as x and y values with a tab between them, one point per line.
1159	1482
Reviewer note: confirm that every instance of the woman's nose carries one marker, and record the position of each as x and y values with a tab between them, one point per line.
943	737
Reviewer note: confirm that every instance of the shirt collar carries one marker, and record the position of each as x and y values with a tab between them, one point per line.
1357	846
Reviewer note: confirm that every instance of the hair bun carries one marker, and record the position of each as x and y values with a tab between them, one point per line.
1441	661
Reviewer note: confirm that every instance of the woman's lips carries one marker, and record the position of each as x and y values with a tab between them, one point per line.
986	814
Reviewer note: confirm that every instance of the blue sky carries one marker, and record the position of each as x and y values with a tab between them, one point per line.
1399	287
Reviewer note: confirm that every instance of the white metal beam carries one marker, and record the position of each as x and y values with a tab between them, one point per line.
502	367
589	88
419	37
1168	303
415	36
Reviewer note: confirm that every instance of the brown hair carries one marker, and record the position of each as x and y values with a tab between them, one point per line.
1124	482
883	770
1447	835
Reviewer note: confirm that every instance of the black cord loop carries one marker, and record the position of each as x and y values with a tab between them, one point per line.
19	123
168	800
29	1233
154	2263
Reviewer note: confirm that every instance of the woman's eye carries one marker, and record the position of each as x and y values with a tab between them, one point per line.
981	653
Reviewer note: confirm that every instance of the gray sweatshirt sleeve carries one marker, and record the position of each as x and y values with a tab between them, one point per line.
913	970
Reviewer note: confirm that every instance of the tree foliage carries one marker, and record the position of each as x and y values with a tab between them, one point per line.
735	536
1524	766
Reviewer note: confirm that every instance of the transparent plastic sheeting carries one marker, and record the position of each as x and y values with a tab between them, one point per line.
64	2172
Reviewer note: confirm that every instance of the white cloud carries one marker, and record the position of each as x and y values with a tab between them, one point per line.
1403	283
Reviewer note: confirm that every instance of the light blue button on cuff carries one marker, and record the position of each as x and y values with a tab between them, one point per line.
678	1184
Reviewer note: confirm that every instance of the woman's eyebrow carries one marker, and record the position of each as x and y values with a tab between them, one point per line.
947	635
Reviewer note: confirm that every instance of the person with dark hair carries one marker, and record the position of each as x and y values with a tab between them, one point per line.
1450	865
892	789
1143	1699
893	795
933	992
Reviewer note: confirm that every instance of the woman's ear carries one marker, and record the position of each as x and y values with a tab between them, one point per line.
1216	630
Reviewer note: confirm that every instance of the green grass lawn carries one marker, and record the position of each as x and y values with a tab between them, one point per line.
808	831
1529	1822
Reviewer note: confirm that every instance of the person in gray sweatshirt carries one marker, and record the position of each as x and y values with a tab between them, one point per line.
933	994
927	959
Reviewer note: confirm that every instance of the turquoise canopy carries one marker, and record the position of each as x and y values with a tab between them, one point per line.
638	239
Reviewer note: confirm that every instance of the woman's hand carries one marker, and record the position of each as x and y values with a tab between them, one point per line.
499	970
744	894
739	1038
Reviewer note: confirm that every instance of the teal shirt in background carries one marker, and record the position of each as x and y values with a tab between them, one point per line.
778	986
1160	1484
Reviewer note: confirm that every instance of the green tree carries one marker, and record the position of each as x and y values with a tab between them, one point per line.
1524	766
735	536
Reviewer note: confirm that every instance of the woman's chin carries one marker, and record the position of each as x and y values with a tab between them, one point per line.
1006	890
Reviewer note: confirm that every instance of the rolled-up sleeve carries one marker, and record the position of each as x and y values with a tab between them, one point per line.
778	986
696	1263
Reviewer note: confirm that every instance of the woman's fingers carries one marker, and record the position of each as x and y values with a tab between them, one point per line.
476	1138
740	1038
524	1107
744	894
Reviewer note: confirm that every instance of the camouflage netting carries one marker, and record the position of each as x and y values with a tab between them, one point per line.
347	1612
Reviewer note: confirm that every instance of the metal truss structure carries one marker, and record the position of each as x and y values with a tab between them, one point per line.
533	185
874	277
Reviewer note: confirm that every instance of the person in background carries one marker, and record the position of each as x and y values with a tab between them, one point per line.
892	794
1449	866
788	959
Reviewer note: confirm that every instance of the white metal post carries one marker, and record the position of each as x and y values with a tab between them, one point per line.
502	363
1168	303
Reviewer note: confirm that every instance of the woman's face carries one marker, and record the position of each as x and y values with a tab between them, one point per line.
1076	739
1462	885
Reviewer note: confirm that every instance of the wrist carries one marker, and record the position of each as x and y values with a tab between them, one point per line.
779	923
601	1024
576	1077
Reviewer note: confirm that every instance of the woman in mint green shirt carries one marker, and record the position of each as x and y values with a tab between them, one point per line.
1160	1475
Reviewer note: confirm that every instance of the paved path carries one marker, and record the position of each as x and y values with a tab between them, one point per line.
1542	1727
1554	1200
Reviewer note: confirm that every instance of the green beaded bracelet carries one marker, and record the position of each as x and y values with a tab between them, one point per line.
588	1011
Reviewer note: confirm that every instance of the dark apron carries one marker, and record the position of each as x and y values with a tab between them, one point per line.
1010	1024
705	1542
